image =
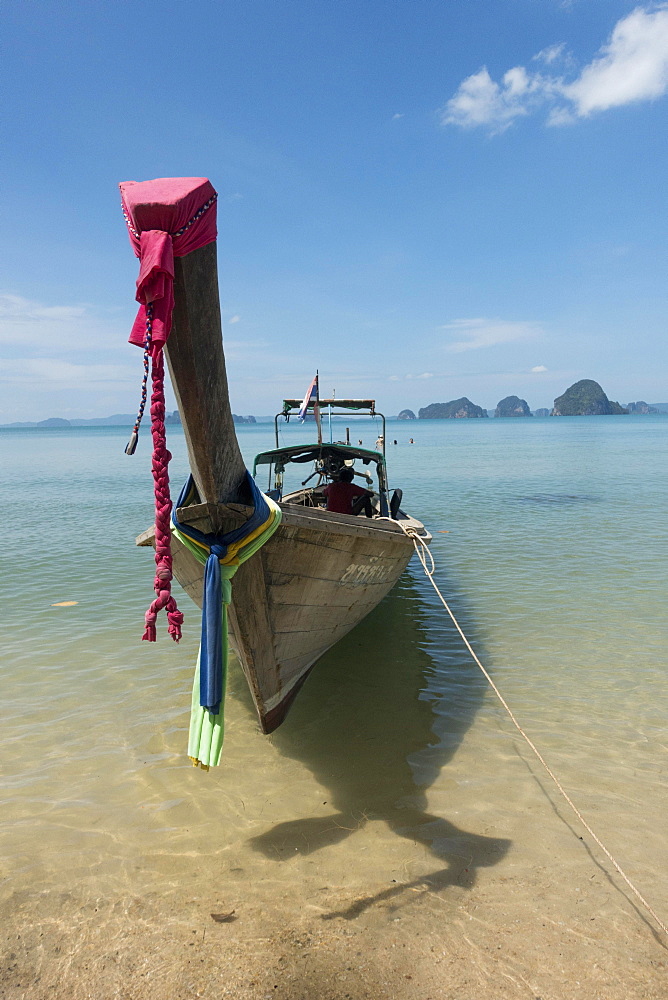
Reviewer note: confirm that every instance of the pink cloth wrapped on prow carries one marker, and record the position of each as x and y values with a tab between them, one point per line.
156	211
166	218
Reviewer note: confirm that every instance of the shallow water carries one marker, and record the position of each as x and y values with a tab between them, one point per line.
397	790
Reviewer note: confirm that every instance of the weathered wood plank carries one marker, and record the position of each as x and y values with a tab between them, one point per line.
292	594
252	632
303	644
352	569
343	523
291	618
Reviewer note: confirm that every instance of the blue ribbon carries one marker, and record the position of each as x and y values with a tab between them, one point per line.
211	655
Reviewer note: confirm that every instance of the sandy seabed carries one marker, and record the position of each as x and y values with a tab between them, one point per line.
539	934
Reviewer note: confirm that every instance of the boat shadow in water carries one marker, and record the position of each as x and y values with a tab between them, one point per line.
381	715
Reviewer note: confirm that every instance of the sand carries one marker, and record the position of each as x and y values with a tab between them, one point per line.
531	934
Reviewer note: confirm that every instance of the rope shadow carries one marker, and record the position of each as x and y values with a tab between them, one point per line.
574	830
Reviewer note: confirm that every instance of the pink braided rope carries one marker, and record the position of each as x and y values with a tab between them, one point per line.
163	509
156	248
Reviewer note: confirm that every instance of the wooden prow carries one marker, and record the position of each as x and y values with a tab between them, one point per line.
196	364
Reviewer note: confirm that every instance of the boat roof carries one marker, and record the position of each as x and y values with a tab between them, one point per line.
302	453
344	404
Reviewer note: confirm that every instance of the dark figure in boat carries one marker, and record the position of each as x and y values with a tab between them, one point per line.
344	497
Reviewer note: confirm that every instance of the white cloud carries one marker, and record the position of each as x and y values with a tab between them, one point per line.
489	333
16	308
57	358
32	325
234	319
397	117
481	101
23	321
631	67
48	372
539	368
552	54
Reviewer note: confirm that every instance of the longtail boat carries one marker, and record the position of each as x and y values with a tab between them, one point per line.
320	573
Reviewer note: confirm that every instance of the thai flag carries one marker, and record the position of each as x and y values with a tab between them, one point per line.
311	396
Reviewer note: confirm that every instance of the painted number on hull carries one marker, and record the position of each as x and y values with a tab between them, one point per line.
373	572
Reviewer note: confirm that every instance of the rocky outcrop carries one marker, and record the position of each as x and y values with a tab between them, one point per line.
585	399
406	415
456	409
512	406
244	420
542	411
641	407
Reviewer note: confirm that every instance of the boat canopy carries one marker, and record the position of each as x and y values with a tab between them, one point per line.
303	453
343	404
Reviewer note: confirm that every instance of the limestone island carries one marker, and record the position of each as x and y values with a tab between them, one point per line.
585	399
456	409
641	407
406	415
512	406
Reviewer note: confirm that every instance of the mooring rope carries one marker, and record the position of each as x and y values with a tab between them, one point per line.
426	558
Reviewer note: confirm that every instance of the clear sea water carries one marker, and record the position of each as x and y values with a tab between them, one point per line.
397	784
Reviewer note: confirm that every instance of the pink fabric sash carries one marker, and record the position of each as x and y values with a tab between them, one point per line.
166	219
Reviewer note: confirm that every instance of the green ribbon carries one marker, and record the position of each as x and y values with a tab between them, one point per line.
205	739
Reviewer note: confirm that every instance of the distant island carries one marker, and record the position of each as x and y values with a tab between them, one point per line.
456	409
119	420
641	407
512	406
585	399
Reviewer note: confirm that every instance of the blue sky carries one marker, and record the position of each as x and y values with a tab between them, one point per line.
422	199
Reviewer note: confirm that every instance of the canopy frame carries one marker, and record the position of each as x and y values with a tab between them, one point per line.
349	408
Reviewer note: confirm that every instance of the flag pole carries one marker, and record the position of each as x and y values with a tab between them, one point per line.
316	407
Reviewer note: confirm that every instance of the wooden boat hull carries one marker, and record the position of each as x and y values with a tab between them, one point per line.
317	577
